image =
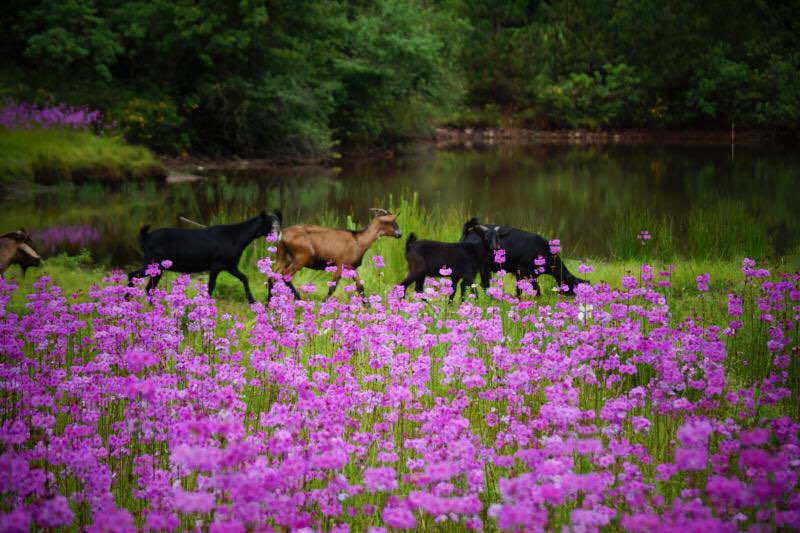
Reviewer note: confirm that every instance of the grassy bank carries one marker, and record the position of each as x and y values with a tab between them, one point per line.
64	155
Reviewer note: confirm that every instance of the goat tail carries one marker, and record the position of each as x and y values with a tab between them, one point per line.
411	239
143	231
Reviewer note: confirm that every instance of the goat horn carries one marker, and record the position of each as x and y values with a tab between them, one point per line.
188	221
380	211
30	251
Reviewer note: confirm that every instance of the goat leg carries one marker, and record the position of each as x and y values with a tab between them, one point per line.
336	276
294	290
212	280
235	272
454	285
153	283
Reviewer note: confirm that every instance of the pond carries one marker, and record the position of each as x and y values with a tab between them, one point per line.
695	200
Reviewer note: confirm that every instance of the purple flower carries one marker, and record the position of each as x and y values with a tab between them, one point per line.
555	246
16	115
378	261
702	282
193	502
399	518
380	479
55	513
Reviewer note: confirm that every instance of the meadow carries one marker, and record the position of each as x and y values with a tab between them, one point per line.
663	396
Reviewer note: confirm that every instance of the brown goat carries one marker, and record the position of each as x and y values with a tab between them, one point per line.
16	247
317	247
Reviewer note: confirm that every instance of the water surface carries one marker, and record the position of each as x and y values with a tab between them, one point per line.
695	199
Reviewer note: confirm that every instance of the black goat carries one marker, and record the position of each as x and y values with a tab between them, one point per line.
464	259
212	249
522	248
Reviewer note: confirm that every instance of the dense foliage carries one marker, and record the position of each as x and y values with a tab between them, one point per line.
265	76
616	63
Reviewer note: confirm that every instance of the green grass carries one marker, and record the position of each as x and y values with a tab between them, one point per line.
59	155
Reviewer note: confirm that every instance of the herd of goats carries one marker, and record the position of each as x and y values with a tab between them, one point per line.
215	249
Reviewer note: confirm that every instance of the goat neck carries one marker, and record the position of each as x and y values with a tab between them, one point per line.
246	232
368	235
478	249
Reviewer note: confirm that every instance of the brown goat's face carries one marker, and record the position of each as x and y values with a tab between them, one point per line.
388	226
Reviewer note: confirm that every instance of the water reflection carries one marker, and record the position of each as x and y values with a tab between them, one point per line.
596	199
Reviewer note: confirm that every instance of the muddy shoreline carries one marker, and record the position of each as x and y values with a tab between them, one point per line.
447	137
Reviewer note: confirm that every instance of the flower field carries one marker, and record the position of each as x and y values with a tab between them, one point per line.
121	412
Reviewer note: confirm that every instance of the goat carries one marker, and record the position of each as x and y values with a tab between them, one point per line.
212	249
16	248
464	259
316	247
522	249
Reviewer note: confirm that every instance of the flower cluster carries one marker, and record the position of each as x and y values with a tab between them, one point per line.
643	236
127	411
16	115
77	235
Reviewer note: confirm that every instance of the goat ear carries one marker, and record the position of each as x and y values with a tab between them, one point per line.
278	215
263	214
470	224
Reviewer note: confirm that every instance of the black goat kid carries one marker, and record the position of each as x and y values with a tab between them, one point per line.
522	248
212	249
464	259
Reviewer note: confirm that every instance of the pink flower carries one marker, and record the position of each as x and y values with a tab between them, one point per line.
378	261
55	513
555	246
702	282
193	502
380	479
399	518
310	288
734	305
136	359
500	256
